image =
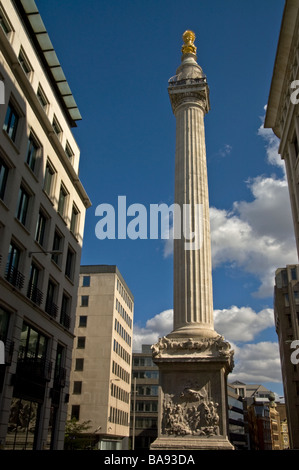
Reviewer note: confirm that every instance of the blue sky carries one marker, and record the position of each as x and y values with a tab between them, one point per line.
117	56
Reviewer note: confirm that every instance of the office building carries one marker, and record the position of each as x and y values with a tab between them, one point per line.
286	312
144	401
42	215
102	357
237	429
282	114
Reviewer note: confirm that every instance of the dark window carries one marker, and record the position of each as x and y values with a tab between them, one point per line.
82	321
51	308
56	126
79	364
4	322
84	300
75	412
69	263
57	246
40	228
11	121
32	149
22	207
86	281
62	200
42	97
81	342
33	344
33	292
12	273
77	387
49	178
3	177
74	220
65	319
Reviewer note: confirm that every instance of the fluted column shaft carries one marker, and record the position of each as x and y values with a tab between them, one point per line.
193	296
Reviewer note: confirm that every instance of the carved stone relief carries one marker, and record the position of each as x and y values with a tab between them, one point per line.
190	412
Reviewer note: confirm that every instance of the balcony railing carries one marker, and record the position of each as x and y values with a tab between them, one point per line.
35	368
15	277
65	319
34	294
60	378
51	308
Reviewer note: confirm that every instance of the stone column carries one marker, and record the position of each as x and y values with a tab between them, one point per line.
193	359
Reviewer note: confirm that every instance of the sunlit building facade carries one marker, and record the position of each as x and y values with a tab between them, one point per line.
42	215
100	389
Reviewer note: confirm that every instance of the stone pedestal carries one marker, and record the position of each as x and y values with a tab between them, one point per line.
193	394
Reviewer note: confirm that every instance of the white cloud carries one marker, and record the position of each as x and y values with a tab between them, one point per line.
271	145
156	327
242	324
257	363
256	236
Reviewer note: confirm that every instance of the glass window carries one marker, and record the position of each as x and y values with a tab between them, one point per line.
74	220
79	364
68	151
22	207
81	342
3	177
33	293
32	149
75	412
69	263
11	121
56	126
49	178
62	200
12	273
77	387
82	321
4	24
86	281
84	300
24	62
42	97
65	309
40	228
57	246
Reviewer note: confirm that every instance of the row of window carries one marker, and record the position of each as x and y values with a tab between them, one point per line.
118	349
118	416
119	393
143	361
28	70
15	277
124	294
122	332
147	406
120	372
123	313
146	374
33	151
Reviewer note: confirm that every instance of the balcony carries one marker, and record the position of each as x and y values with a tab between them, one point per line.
65	319
59	378
34	294
37	369
14	277
51	308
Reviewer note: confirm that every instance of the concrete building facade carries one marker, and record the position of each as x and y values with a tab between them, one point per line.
102	356
42	215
